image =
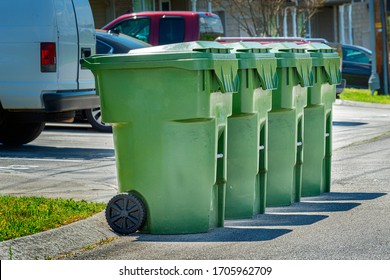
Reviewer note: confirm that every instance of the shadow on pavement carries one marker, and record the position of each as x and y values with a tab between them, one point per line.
315	207
277	220
334	196
335	123
39	152
250	230
219	235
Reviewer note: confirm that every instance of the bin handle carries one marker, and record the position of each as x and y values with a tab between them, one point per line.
332	69
226	73
305	74
266	72
85	62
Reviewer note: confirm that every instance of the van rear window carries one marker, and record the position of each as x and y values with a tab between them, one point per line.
210	27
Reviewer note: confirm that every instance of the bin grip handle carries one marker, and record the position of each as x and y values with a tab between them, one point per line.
305	74
332	70
85	62
226	73
266	72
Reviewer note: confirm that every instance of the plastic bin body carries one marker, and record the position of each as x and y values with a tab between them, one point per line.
285	124
169	108
318	119
248	131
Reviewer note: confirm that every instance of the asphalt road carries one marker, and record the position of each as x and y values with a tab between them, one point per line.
74	161
351	222
68	161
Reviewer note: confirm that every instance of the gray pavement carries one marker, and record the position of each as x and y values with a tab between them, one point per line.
351	222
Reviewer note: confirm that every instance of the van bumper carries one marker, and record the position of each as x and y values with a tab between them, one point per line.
63	101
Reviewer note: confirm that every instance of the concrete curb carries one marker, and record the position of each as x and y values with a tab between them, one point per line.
59	241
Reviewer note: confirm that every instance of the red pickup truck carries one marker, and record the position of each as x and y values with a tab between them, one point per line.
160	28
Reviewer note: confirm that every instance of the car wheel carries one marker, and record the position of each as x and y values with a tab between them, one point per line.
94	117
18	133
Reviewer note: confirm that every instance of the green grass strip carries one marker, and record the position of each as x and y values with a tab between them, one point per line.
21	216
364	95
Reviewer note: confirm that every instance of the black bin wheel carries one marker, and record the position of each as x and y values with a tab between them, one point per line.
125	213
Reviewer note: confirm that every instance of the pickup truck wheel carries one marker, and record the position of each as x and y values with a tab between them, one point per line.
94	117
17	133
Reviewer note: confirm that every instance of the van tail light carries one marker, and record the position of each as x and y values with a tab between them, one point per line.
48	57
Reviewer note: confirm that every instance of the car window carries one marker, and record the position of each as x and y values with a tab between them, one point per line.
103	48
353	55
135	27
171	30
210	27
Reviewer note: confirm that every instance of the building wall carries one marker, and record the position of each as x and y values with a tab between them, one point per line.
180	5
231	27
106	10
123	7
325	24
100	9
175	5
361	25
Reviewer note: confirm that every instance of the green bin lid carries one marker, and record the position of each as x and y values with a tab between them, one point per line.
292	55
318	48
200	46
248	47
198	55
253	55
326	57
285	49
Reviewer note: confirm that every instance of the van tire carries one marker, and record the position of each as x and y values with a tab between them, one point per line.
18	133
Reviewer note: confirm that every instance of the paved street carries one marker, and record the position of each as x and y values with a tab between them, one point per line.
351	222
77	162
65	161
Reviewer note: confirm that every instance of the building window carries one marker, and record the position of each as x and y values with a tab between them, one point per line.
165	5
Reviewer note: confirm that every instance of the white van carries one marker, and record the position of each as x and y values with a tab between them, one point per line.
41	44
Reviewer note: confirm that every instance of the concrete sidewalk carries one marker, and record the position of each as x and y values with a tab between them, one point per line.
351	222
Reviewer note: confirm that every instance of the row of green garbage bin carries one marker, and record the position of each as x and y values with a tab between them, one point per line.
205	131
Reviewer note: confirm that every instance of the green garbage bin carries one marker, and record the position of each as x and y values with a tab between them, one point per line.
285	124
318	119
248	130
168	106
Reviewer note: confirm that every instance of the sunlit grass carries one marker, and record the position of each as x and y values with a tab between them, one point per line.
21	216
364	95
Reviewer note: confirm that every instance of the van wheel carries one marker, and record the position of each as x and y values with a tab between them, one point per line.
125	213
94	117
17	133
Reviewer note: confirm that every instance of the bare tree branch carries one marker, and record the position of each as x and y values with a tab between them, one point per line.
265	17
307	9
